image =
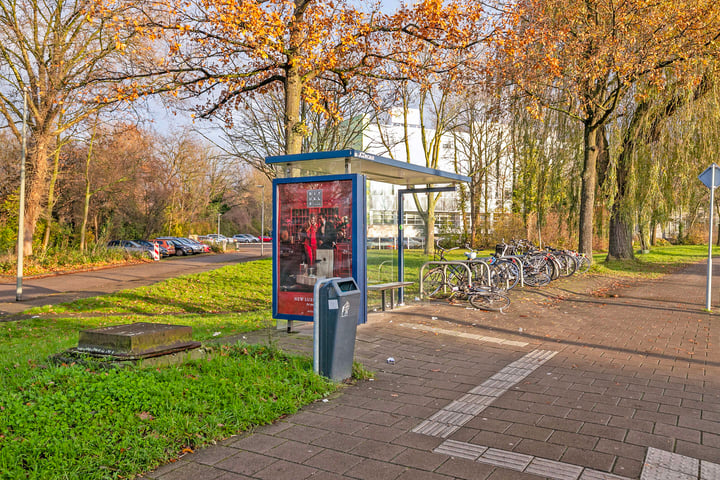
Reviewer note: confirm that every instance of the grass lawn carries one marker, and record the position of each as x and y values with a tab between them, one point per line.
87	422
659	261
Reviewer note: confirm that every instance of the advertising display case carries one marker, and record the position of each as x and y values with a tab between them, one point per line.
319	232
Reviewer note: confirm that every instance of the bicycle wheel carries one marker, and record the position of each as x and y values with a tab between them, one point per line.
568	266
489	300
583	263
433	282
554	266
456	276
504	274
536	279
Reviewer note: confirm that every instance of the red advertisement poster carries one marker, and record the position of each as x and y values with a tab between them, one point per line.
314	240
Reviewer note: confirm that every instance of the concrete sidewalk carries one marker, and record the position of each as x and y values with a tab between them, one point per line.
567	385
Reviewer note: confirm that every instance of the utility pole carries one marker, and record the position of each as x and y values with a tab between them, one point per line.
21	212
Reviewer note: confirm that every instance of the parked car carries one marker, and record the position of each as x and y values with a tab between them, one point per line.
204	248
217	238
265	238
245	238
166	244
197	247
381	243
150	247
181	248
413	242
127	245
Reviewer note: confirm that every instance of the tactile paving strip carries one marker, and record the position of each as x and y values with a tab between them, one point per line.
709	470
596	475
680	464
552	469
662	465
505	459
458	412
460	449
522	463
436	429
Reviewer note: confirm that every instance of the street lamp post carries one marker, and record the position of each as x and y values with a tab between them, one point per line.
262	220
21	208
218	232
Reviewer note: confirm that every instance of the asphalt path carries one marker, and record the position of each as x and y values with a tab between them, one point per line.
50	290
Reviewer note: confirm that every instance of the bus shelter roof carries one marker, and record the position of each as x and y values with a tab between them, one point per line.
374	167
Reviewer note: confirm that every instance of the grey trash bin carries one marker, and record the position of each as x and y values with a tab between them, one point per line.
338	306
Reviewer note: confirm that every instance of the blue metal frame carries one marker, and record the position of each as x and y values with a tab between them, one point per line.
359	238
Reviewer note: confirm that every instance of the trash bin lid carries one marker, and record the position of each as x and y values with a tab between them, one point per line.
347	285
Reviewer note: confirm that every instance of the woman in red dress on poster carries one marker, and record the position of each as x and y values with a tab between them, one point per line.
311	241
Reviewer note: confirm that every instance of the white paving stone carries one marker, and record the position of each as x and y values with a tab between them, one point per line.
709	470
435	429
672	461
477	399
589	474
451	418
487	391
655	472
505	459
460	449
498	384
470	408
552	469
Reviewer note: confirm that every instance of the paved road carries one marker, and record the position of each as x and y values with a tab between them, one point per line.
68	287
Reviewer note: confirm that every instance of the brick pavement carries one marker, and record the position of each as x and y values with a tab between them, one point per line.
567	385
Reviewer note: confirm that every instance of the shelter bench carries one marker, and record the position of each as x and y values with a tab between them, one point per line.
384	287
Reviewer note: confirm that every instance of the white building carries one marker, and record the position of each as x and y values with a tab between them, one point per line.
387	138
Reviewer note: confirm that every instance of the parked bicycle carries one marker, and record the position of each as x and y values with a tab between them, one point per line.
454	279
442	278
481	297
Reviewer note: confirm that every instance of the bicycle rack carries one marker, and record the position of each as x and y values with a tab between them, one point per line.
485	266
519	259
437	263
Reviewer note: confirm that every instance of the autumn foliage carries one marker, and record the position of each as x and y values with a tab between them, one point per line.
583	58
221	50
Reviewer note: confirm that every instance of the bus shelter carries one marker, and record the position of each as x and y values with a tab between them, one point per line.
320	220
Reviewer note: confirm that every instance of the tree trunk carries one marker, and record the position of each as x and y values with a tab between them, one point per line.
51	198
620	241
293	93
653	233
587	194
644	226
38	181
86	210
620	234
430	224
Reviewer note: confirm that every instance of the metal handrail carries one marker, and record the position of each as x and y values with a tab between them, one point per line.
444	264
